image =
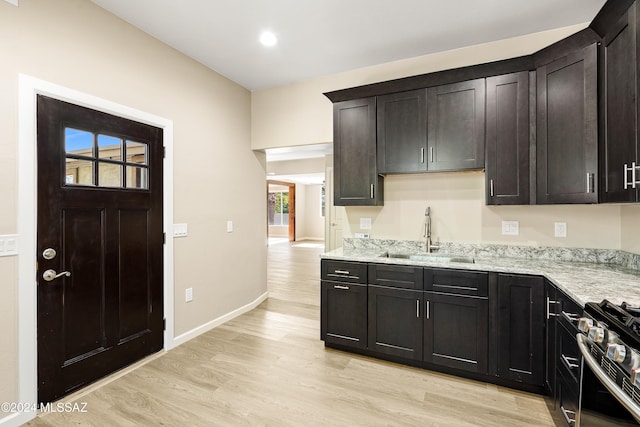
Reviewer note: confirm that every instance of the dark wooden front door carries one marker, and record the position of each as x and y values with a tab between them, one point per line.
100	220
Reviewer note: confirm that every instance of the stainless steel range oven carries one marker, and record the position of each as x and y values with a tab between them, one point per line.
610	375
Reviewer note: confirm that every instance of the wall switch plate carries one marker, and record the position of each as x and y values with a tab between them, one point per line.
365	223
180	230
9	245
560	229
229	226
188	295
510	228
361	235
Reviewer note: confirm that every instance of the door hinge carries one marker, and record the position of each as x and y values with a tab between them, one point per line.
164	238
164	152
164	324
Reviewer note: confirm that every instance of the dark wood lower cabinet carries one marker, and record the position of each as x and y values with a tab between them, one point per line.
520	326
395	322
456	331
344	314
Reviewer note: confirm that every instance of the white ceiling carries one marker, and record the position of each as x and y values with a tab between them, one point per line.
322	37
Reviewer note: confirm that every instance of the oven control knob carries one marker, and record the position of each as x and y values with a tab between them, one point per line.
616	352
596	334
584	324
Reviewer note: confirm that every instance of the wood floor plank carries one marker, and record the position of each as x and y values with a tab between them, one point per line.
268	367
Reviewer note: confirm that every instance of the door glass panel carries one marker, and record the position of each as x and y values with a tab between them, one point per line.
79	172
109	147
78	142
137	177
109	175
136	152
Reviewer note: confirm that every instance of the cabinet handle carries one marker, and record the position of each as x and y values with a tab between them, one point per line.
589	183
422	155
341	272
372	191
346	288
571	318
571	362
491	187
428	310
431	154
418	308
549	313
566	413
631	169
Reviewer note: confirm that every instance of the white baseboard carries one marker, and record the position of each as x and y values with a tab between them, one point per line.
183	338
17	419
309	238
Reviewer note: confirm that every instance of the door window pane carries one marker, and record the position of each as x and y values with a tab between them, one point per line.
136	152
78	142
278	209
137	177
109	147
79	172
109	175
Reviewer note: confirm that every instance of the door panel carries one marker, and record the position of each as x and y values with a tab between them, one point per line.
100	209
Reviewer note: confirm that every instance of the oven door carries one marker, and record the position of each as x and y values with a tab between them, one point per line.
602	402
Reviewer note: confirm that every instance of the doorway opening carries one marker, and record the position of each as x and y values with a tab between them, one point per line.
281	210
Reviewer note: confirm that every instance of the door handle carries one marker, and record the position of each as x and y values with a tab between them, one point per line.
50	275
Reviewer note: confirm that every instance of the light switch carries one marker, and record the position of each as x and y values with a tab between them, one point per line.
9	245
229	226
180	230
510	228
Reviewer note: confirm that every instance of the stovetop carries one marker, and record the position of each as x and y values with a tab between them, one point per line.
622	319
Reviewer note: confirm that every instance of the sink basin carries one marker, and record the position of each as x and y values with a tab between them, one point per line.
434	257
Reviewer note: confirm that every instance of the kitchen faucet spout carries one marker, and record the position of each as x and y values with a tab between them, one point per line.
430	247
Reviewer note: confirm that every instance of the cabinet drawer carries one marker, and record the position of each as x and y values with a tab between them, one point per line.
568	360
343	271
568	392
343	314
568	311
395	276
468	283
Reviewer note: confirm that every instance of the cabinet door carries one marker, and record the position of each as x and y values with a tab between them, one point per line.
507	162
356	179
456	126
521	328
456	331
395	322
567	129
620	143
402	132
343	308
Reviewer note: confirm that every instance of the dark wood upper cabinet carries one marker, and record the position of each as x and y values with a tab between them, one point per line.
567	137
619	146
402	132
507	139
356	178
456	126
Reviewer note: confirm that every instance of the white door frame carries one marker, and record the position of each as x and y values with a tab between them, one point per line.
29	88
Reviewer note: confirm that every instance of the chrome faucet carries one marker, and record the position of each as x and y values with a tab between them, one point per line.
430	247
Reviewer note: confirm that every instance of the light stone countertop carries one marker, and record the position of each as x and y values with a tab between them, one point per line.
583	281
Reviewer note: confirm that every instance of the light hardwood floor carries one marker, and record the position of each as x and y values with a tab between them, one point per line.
269	368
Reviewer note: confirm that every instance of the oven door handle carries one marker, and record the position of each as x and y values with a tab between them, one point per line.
613	388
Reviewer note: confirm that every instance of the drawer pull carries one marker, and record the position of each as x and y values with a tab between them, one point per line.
571	318
549	313
571	362
346	288
566	414
418	308
428	309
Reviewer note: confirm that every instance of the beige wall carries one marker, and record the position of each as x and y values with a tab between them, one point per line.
309	221
76	44
630	229
294	167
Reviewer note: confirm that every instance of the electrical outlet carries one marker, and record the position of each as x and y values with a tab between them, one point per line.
510	228
188	295
362	235
8	245
365	223
560	229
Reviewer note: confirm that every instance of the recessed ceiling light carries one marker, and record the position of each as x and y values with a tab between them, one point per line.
267	38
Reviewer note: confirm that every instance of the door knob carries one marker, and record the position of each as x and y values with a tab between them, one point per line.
49	253
50	275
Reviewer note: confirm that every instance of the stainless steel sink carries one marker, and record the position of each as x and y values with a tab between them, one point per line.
433	257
